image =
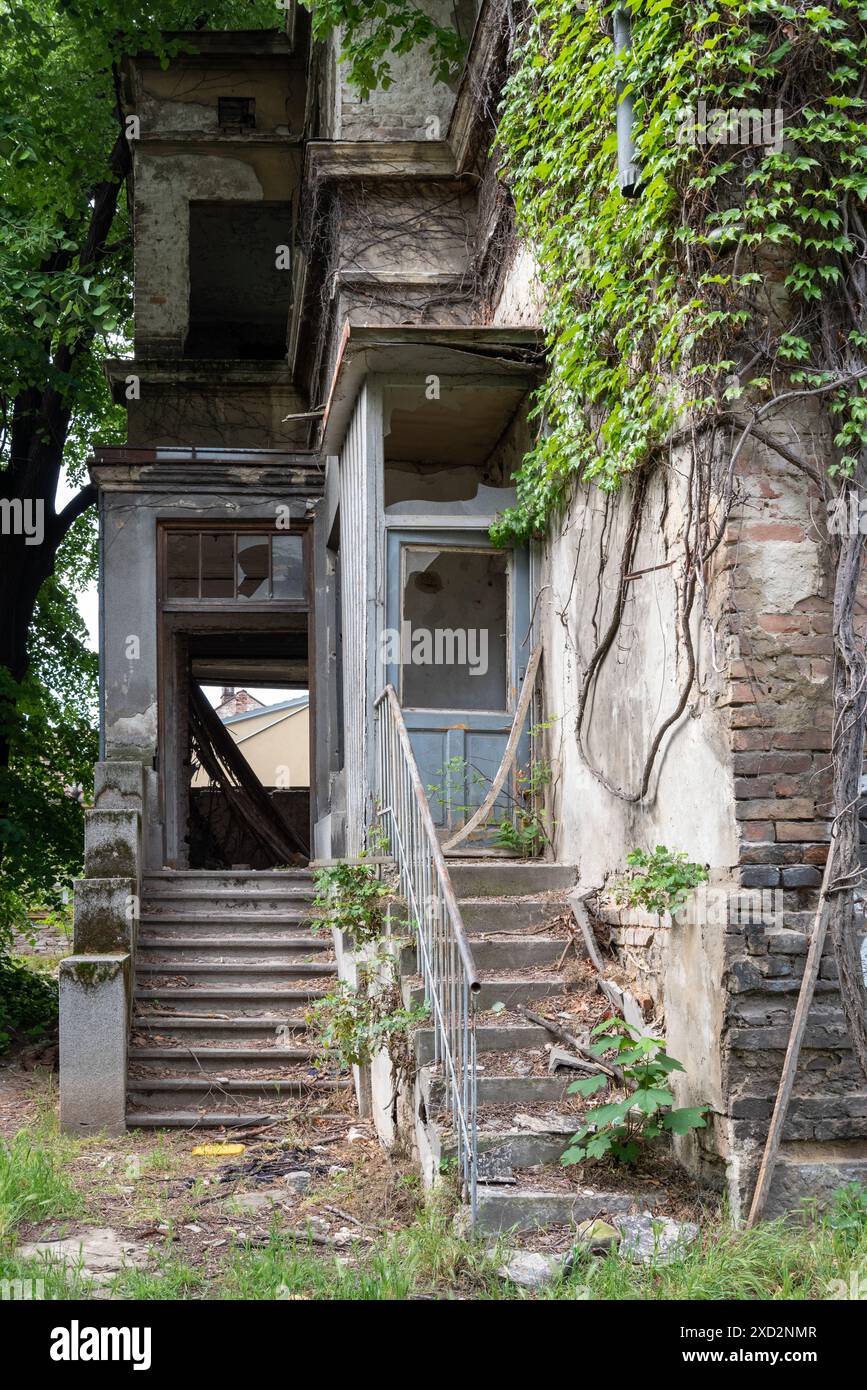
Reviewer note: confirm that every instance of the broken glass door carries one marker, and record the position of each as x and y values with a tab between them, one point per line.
455	649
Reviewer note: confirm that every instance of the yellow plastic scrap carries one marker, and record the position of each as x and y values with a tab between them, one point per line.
219	1150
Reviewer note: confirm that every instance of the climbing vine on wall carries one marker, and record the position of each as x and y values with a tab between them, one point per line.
658	307
699	316
704	314
372	31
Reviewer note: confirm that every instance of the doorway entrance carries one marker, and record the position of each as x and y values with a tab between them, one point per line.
237	710
458	614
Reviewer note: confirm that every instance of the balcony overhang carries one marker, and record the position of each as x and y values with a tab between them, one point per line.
296	474
482	376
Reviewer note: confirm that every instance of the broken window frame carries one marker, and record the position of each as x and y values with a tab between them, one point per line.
406	548
236	529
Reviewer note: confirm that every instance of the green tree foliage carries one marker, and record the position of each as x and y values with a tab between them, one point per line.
374	30
65	305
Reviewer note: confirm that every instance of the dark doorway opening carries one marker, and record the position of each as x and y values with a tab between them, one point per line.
239	747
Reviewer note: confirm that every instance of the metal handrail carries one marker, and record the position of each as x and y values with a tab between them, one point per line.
446	964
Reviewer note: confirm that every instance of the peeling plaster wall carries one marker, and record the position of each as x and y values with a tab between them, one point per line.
521	299
638	685
184	97
415	106
166	184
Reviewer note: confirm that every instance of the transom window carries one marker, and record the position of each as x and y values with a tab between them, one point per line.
238	565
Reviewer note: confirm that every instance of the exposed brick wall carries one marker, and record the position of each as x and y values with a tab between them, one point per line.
780	711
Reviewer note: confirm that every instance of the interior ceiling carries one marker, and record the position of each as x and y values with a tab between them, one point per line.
463	426
249	658
251	673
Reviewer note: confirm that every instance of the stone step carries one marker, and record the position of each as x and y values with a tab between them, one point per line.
237	925
508	1038
188	1092
175	952
500	1090
227	1000
499	879
496	954
155	933
226	911
508	991
518	1209
235	1031
230	972
485	915
206	881
197	1119
226	905
221	1058
520	1148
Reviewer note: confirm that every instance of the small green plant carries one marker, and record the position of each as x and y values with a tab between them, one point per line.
352	898
522	829
525	830
354	1022
620	1127
660	882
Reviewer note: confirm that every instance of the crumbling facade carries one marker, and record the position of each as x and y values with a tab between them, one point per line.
337	335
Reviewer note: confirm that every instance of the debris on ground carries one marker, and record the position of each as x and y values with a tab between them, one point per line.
647	1239
597	1237
98	1253
530	1270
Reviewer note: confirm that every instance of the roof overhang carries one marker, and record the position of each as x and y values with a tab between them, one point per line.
511	358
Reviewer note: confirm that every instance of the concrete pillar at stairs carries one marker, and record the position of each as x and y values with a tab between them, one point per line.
94	1029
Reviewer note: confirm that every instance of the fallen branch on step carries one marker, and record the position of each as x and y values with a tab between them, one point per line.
564	1036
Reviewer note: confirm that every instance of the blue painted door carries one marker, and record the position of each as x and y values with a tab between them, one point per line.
455	649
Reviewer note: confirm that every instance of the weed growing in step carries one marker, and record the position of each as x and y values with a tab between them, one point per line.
352	899
660	882
620	1127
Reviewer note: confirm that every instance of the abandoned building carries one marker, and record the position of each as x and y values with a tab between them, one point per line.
337	338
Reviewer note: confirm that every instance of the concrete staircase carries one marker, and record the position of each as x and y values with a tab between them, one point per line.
524	1119
225	968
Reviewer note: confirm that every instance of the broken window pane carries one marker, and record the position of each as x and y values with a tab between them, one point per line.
182	564
287	562
454	637
252	567
218	573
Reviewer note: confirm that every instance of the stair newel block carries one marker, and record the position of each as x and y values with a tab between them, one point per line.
96	982
94	1030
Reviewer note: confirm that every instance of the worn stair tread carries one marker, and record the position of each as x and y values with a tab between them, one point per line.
148	942
138	1084
268	1055
224	918
206	875
229	992
270	1021
217	967
194	1119
520	1208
